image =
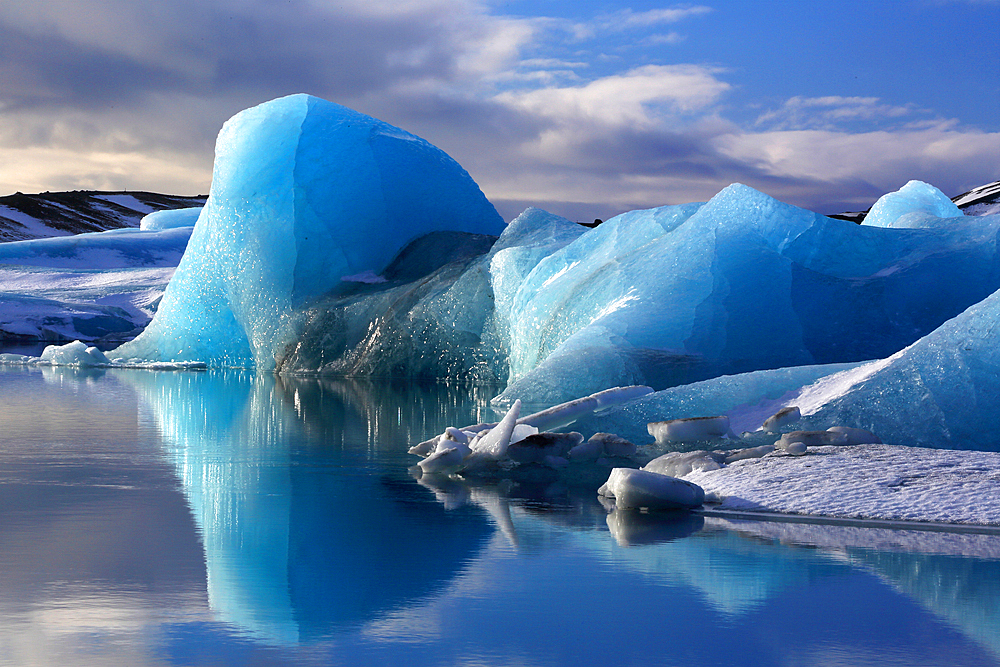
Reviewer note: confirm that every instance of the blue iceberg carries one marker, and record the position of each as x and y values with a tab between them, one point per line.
742	283
304	193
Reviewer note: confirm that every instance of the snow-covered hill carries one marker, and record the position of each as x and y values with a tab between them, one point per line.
35	216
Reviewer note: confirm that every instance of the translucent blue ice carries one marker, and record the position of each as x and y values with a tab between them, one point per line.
304	192
170	218
942	391
741	283
916	204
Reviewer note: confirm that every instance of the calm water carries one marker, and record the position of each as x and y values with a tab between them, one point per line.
157	518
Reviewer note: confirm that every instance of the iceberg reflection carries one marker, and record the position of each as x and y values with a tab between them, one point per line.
301	537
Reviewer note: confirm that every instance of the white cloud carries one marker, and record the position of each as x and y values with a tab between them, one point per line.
829	112
635	98
951	158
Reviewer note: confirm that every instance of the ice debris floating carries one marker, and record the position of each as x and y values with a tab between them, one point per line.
304	192
517	440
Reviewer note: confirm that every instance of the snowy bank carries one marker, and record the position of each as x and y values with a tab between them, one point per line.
884	482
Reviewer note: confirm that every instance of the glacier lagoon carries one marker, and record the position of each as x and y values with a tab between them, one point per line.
295	496
228	517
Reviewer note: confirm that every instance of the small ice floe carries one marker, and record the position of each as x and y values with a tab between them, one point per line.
74	354
530	436
492	445
635	489
692	429
443	461
678	464
781	418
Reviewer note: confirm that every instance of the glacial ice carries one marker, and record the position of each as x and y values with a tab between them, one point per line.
916	204
170	218
743	282
304	192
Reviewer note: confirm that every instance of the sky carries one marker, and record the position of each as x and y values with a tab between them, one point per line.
584	108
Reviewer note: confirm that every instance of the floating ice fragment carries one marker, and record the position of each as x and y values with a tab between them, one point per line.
612	445
74	354
535	448
570	411
633	489
443	461
691	429
493	444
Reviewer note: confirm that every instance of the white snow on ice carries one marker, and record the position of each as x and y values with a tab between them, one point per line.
884	482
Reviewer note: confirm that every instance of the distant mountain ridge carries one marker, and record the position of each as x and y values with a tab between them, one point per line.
33	216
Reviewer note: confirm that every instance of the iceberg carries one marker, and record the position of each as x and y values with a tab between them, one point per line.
914	205
304	192
741	283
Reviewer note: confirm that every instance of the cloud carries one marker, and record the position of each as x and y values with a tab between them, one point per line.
632	98
117	94
831	111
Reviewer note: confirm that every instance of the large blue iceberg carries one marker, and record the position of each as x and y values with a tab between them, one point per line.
333	243
304	193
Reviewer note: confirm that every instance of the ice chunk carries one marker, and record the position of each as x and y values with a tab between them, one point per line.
916	204
570	411
493	444
678	464
633	489
299	187
690	429
443	461
612	445
748	453
74	354
170	218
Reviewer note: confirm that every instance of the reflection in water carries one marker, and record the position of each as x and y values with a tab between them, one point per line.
318	545
300	536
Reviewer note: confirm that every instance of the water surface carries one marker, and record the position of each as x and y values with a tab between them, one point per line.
205	518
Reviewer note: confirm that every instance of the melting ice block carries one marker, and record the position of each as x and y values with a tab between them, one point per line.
304	192
633	489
